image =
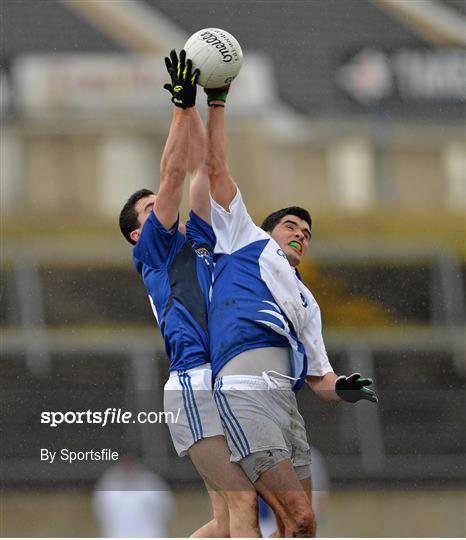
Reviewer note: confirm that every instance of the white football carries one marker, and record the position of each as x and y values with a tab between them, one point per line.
217	55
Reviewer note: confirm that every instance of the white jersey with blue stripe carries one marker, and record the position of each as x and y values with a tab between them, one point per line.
177	273
257	298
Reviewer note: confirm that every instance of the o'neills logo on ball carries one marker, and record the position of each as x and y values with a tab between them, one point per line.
212	39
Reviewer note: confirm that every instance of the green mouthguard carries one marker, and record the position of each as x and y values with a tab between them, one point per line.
295	245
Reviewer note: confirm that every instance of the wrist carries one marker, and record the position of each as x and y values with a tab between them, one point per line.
181	112
216	104
182	107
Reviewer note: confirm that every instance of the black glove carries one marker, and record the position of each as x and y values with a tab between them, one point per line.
184	82
353	388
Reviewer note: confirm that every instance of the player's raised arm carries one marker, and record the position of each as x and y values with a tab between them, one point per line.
222	185
197	168
174	162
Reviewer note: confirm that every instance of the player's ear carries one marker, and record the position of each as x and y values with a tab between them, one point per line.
134	235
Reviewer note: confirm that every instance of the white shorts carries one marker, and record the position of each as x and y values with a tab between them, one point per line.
188	395
257	417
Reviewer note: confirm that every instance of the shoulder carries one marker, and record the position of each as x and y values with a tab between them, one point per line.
156	245
234	228
199	231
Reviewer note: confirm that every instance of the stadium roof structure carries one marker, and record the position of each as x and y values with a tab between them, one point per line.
331	58
47	26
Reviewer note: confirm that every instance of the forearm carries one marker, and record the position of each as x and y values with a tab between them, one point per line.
324	386
174	161
197	168
197	142
173	168
222	185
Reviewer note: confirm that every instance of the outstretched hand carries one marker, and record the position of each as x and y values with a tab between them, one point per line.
183	84
354	388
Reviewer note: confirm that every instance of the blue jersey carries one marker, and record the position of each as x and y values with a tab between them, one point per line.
177	273
258	300
243	314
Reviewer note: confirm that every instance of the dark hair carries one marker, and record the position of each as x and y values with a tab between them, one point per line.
128	216
273	219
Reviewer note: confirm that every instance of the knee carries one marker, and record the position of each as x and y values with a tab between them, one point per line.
302	525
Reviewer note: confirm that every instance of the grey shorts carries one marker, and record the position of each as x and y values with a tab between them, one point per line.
259	462
262	424
188	397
